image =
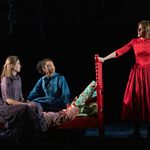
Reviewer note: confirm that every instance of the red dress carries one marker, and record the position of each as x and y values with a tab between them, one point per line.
136	103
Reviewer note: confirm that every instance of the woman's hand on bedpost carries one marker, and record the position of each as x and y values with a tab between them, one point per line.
101	59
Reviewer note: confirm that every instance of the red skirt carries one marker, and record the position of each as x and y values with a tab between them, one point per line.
136	103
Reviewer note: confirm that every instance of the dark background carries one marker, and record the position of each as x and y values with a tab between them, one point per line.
71	32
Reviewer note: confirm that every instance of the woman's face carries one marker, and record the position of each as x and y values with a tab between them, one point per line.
141	31
49	68
17	66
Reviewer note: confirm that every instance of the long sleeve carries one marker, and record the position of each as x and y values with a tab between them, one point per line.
51	92
65	95
37	91
124	49
11	88
4	88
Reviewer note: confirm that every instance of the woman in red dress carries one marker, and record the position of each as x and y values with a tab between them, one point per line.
136	103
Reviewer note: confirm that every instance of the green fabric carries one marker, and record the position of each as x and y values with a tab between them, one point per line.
86	94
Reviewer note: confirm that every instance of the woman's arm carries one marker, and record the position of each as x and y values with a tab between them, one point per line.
110	56
14	102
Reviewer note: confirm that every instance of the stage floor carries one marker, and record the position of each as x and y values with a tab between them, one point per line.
116	136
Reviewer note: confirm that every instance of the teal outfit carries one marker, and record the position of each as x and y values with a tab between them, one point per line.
52	93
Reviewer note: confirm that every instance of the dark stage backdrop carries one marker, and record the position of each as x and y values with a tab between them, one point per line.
71	32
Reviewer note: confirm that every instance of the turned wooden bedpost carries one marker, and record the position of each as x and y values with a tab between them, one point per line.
99	91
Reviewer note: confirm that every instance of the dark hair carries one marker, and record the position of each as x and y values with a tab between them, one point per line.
41	65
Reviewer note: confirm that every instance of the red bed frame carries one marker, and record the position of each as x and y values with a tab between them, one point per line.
95	121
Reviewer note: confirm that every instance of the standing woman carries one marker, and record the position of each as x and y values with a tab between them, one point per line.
136	103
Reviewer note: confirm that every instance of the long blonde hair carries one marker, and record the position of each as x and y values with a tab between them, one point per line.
7	70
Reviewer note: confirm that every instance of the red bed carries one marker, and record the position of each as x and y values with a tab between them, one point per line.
95	121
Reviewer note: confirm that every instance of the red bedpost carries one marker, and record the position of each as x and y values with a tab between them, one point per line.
99	90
